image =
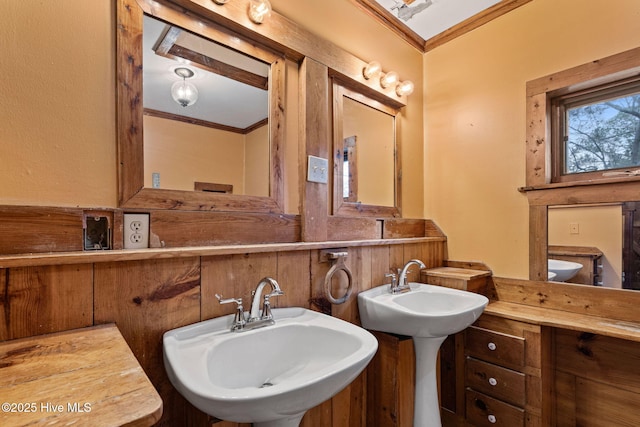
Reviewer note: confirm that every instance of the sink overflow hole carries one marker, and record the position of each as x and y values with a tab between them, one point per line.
266	384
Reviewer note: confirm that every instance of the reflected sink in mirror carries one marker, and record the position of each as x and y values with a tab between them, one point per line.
269	376
563	270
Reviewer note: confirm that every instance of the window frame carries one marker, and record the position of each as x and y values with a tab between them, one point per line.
568	99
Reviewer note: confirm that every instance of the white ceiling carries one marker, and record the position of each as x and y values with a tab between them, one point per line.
428	18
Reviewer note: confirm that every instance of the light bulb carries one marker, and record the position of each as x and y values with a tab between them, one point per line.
371	69
184	93
404	88
389	79
258	10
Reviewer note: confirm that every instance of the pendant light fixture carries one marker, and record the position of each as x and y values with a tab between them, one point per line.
183	92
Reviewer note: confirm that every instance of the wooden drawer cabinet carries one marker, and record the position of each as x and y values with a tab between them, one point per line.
495	346
502	383
483	410
502	373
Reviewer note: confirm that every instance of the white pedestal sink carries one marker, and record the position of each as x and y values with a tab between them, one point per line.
269	376
428	314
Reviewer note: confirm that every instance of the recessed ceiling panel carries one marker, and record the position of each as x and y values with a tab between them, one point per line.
429	18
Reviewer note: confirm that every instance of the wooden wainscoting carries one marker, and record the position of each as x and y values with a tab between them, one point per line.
150	294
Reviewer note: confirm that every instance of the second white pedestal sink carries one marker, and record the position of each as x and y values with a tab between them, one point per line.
269	376
428	314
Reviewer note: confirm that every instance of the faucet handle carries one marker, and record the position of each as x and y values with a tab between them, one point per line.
238	321
229	300
266	304
394	278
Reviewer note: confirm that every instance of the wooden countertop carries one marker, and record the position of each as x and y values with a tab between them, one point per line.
84	377
563	319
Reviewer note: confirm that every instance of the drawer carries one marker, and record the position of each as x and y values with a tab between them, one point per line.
483	410
496	381
494	346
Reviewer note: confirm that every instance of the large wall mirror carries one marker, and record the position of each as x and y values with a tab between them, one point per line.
221	151
365	155
603	239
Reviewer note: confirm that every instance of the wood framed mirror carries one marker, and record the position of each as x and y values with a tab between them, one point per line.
132	148
366	155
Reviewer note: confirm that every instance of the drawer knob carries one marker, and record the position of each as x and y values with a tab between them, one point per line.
492	346
493	381
492	419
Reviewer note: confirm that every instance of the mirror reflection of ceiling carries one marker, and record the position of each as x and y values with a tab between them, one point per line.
221	100
429	18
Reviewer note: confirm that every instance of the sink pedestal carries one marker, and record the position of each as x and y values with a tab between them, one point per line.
427	407
292	421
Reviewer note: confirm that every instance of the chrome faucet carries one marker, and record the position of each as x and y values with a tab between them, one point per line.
240	320
399	284
265	316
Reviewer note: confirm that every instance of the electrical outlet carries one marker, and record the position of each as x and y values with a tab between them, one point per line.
574	228
136	231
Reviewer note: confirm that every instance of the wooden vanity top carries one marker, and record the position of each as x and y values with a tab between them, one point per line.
84	377
597	310
629	331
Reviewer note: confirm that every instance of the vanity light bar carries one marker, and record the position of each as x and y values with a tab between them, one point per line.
257	11
389	79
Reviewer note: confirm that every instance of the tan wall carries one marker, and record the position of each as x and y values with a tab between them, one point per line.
475	117
183	153
58	101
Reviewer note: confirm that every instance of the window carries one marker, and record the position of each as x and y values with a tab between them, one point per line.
596	132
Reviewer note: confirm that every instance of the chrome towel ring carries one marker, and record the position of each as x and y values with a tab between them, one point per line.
337	261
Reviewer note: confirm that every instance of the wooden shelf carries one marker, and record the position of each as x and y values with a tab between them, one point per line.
86	376
62	258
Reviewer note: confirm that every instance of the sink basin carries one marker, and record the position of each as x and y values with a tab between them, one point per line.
428	314
425	311
564	270
269	376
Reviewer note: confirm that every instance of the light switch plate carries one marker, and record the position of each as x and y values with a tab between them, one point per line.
317	170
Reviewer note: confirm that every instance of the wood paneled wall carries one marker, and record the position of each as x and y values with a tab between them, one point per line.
147	297
597	380
42	229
